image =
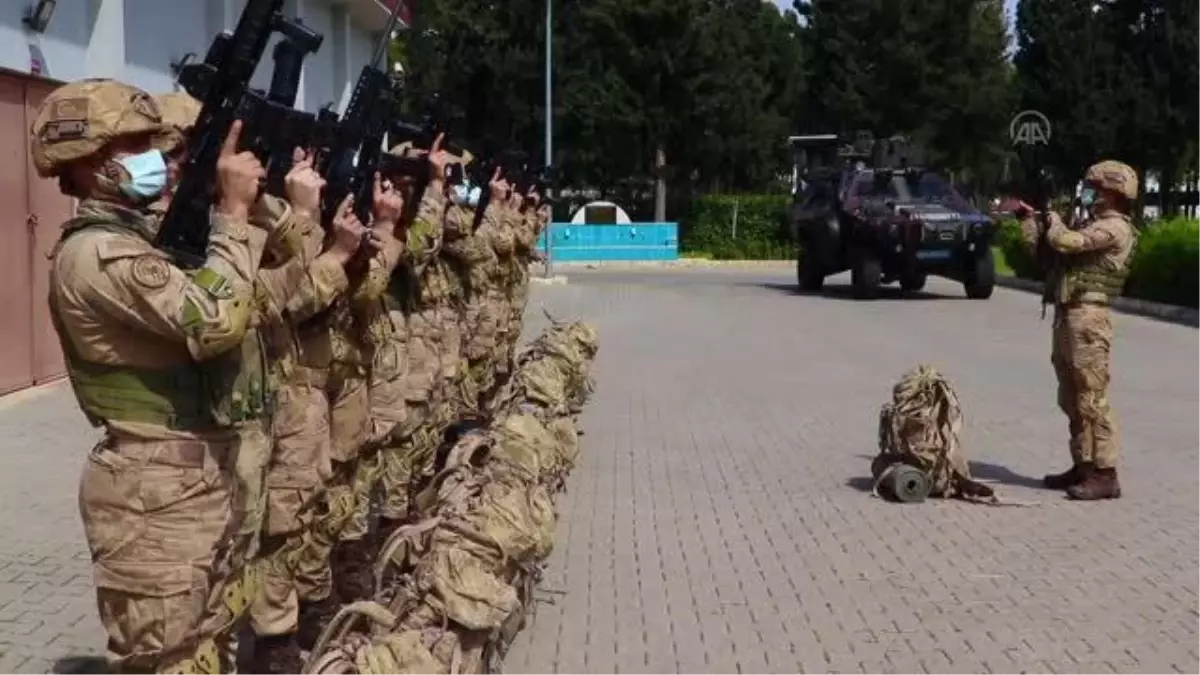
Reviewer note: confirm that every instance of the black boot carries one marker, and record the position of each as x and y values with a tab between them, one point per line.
1073	476
277	654
353	566
314	616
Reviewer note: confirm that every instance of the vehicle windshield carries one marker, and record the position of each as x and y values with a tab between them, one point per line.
904	187
880	185
929	186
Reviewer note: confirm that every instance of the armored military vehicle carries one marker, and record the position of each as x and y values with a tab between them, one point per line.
865	205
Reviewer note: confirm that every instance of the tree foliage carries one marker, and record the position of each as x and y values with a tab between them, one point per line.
718	85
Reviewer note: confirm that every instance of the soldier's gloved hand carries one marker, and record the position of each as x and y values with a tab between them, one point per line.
303	185
347	232
239	177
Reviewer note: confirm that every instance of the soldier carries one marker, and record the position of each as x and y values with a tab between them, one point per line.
1095	262
403	382
154	356
476	253
298	283
536	218
360	329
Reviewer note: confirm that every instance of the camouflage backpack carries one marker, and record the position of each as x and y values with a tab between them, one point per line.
919	452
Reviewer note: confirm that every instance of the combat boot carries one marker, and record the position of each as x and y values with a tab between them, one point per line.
353	565
277	654
1073	476
314	616
1100	484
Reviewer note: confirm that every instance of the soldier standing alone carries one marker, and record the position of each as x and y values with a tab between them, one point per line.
1094	265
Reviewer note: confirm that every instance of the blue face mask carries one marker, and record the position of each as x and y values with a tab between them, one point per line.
466	195
147	175
460	193
1087	196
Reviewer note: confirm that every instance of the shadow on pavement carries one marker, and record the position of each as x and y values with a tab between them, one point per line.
846	292
861	483
80	664
983	471
993	472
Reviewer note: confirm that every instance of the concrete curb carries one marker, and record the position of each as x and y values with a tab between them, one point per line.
1184	316
682	263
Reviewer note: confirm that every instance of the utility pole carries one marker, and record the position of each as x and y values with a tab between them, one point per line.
549	270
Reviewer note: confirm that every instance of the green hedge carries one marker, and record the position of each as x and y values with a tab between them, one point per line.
762	232
1166	263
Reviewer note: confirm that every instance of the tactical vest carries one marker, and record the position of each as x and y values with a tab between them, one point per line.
196	396
1092	278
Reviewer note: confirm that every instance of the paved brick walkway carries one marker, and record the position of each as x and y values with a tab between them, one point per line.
718	521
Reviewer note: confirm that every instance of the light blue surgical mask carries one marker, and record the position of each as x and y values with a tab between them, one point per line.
147	176
460	193
1087	196
465	195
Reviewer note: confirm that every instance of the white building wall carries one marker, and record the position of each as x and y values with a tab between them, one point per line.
136	41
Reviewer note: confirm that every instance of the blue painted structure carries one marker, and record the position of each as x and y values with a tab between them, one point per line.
598	243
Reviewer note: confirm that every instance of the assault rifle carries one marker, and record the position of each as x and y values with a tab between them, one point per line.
272	120
354	153
271	126
231	61
1036	189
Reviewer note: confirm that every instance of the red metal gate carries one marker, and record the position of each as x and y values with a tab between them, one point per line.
31	210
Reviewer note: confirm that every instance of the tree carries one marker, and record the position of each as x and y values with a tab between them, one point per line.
935	70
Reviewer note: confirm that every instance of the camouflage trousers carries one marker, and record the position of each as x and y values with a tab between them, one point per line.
403	459
518	298
291	568
165	521
484	324
347	501
1080	352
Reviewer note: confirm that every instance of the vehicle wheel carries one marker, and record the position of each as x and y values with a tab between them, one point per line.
866	275
809	275
980	277
913	282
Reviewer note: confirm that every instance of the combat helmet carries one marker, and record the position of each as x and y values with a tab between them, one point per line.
78	119
179	113
1116	176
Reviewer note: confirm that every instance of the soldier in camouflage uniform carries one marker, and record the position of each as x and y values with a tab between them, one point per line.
161	359
478	244
298	282
428	294
534	218
406	369
1094	265
359	329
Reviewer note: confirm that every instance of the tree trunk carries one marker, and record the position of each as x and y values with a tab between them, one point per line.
660	185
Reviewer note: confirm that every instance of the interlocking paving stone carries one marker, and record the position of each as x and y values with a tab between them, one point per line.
719	519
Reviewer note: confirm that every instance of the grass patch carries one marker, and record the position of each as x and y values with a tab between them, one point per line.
1002	266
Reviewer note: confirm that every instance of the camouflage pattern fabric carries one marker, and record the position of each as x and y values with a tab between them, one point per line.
456	583
920	427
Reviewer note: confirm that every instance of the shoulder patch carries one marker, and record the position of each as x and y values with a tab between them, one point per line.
151	272
114	247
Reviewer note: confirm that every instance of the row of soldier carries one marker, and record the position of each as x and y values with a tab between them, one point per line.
256	409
